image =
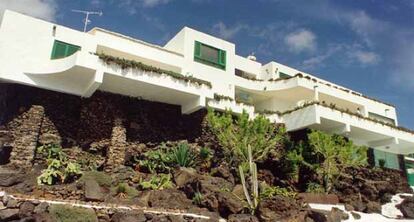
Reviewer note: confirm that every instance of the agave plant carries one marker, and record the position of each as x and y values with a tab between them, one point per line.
253	197
183	156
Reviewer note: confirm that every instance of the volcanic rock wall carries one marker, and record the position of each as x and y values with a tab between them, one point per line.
105	122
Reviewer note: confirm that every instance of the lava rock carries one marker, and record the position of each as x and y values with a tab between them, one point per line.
185	176
26	209
9	214
373	207
93	191
242	218
129	217
407	207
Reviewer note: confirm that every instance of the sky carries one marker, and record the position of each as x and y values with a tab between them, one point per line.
365	45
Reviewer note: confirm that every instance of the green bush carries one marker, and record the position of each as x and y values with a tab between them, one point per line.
267	191
101	178
314	188
198	198
157	182
205	153
124	190
64	213
328	155
235	135
381	163
59	168
156	161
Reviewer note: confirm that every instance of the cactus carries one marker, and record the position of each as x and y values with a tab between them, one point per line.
252	198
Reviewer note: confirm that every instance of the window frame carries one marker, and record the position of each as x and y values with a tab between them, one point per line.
221	56
70	49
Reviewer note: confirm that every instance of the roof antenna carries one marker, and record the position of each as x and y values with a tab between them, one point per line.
87	13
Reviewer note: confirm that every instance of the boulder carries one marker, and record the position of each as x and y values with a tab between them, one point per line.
356	215
9	214
228	203
169	199
335	215
10	177
41	208
242	218
279	208
185	176
407	207
223	171
26	209
93	191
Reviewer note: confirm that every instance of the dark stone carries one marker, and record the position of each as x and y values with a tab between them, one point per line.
318	215
185	176
12	203
129	217
93	191
229	204
9	178
407	207
279	208
43	217
26	209
169	199
9	214
242	218
223	171
41	208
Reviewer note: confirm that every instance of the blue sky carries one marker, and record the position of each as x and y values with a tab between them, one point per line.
366	45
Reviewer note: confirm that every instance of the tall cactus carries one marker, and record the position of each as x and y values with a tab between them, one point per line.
252	198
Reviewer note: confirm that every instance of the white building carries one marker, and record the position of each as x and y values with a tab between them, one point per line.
202	71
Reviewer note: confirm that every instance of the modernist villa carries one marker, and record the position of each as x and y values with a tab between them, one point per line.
195	70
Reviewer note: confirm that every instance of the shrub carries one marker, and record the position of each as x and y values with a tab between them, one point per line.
156	161
267	191
123	190
328	155
63	213
183	156
236	135
101	178
205	153
59	168
314	188
158	182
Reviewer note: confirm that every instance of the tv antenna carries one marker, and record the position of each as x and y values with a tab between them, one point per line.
87	13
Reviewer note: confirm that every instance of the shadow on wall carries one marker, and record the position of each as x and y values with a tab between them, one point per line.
83	121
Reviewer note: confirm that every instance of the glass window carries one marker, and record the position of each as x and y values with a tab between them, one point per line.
209	55
63	49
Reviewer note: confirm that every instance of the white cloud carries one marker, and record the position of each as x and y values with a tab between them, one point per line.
318	61
152	3
44	9
364	57
301	40
221	30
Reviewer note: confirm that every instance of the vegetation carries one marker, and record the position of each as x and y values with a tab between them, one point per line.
156	161
267	191
125	64
123	190
314	188
236	135
251	187
59	168
198	198
205	153
157	182
328	155
381	163
183	156
64	213
219	97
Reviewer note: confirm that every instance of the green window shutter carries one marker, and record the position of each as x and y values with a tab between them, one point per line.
59	50
71	49
62	50
222	58
197	49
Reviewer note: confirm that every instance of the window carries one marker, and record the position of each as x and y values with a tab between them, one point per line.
284	75
63	49
209	55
